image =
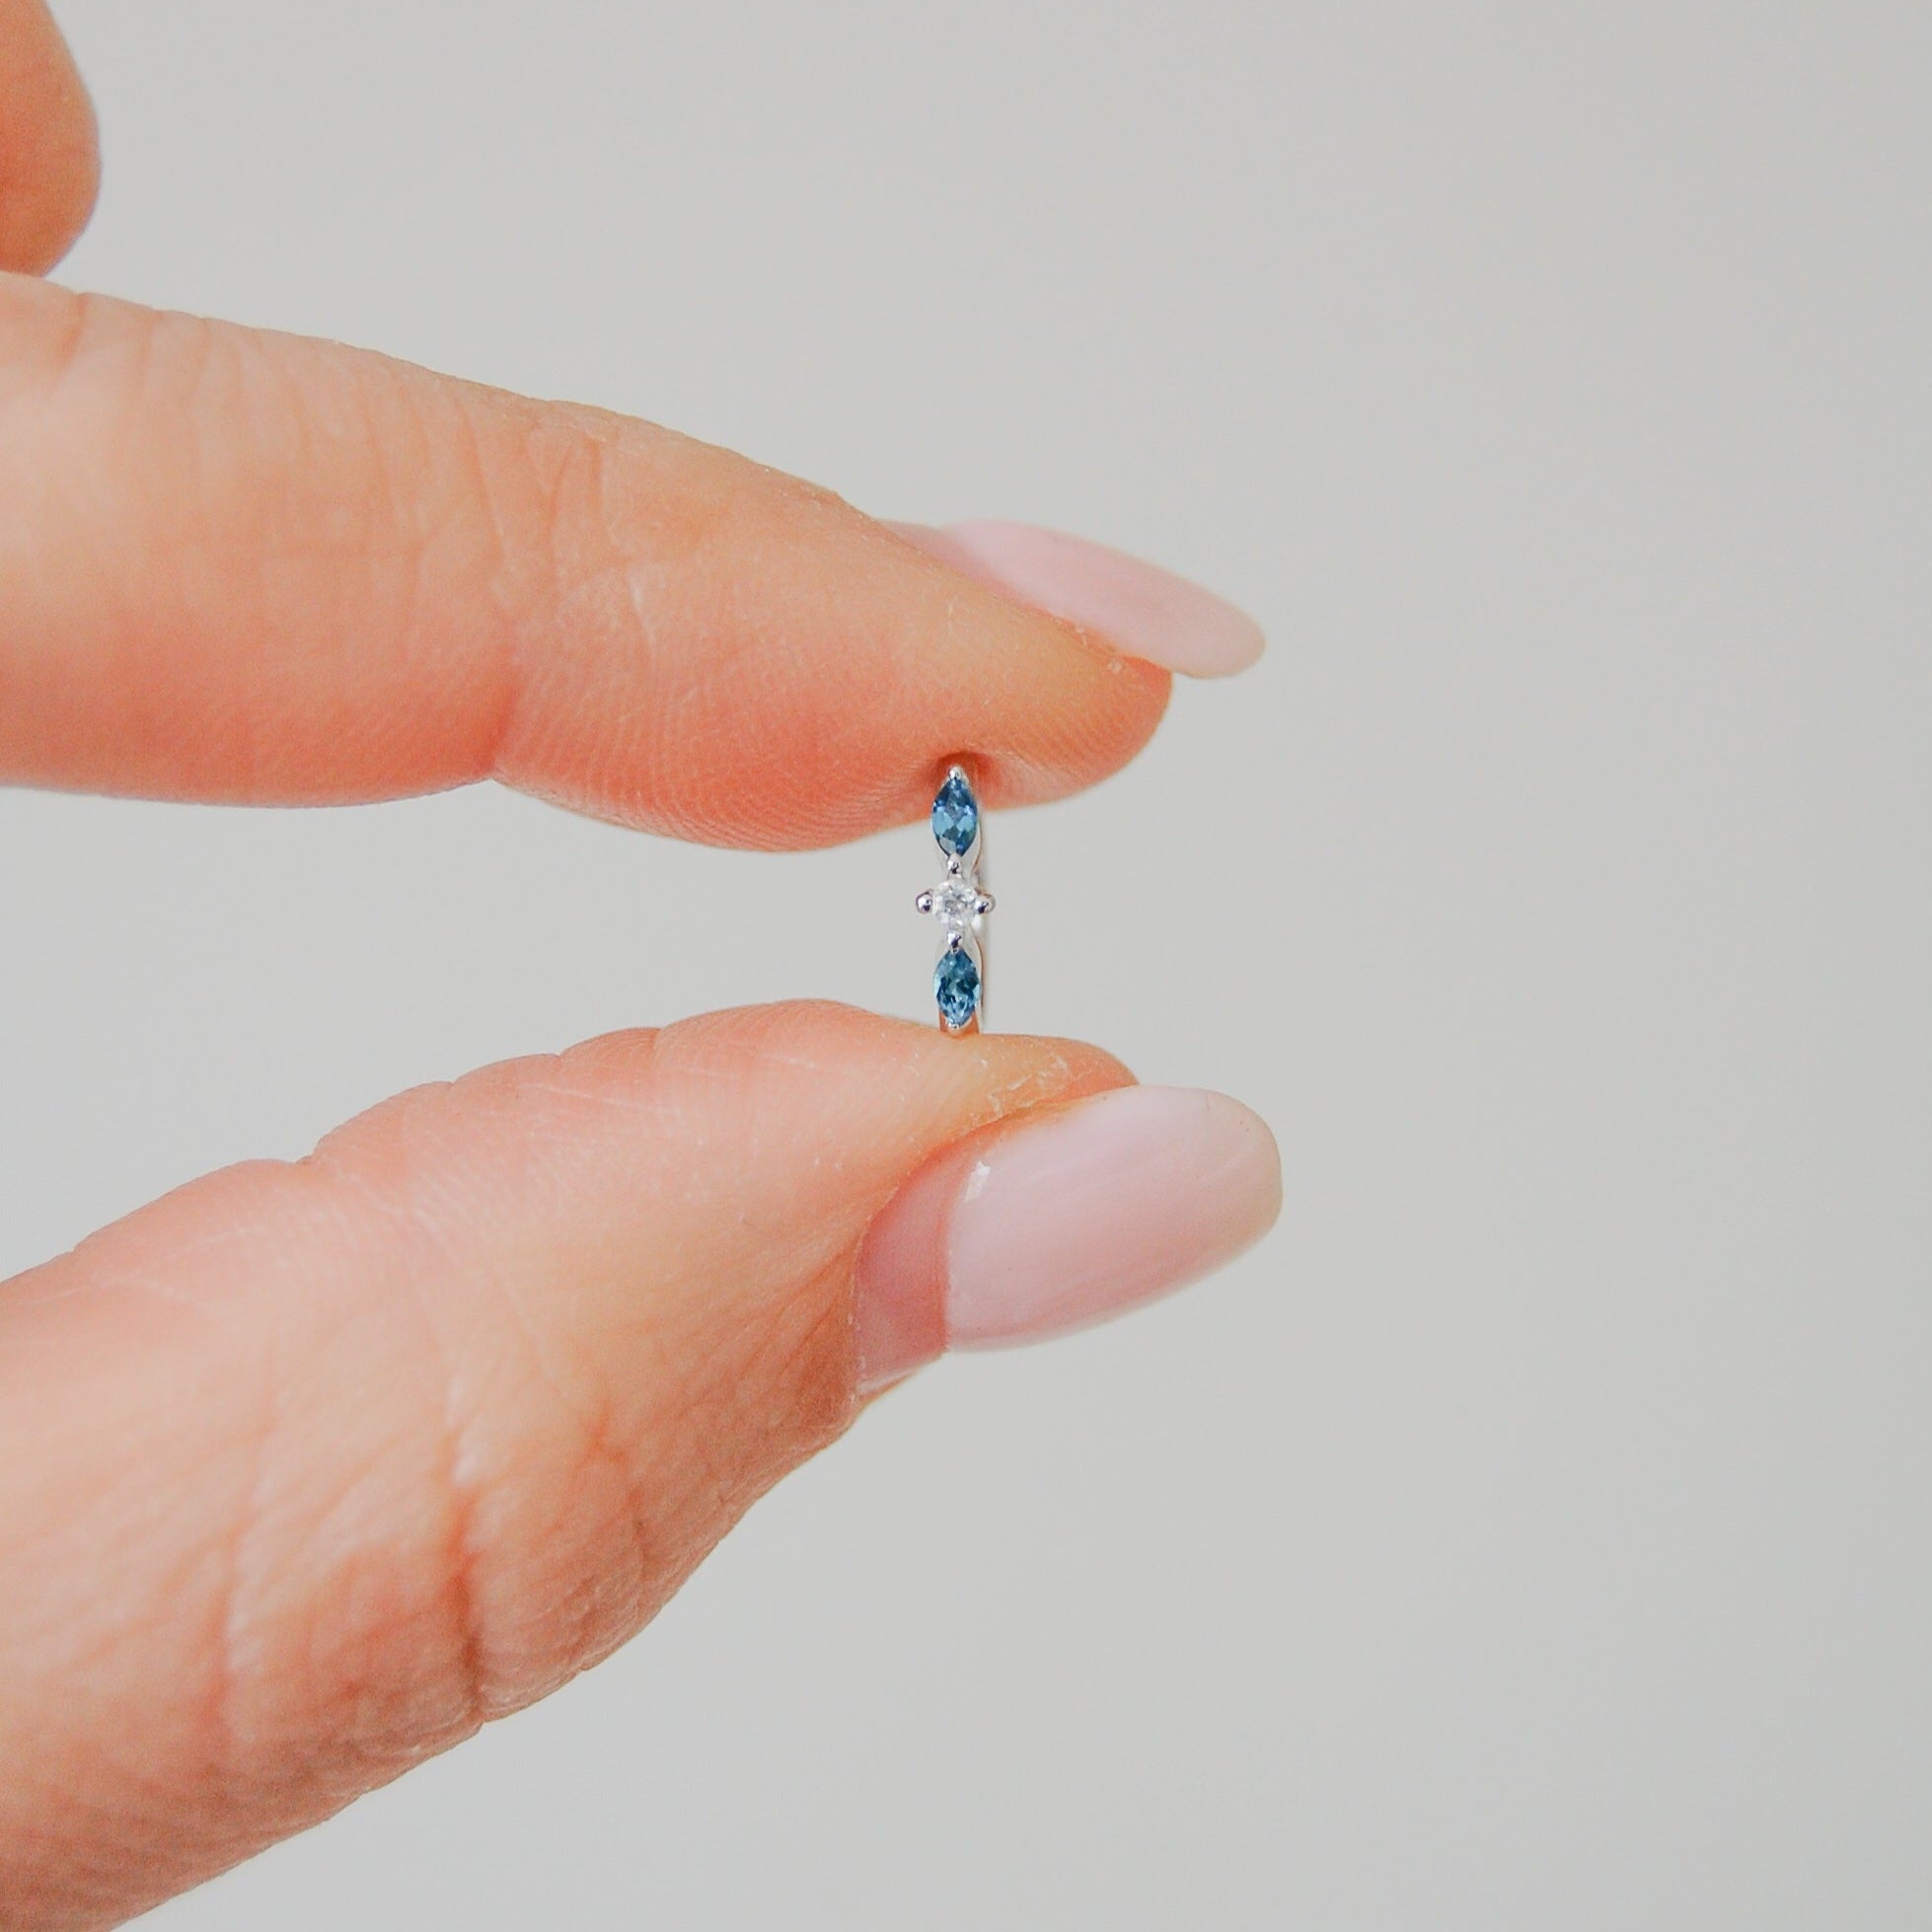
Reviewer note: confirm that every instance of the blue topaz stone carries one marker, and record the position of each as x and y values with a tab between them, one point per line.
956	987
957	815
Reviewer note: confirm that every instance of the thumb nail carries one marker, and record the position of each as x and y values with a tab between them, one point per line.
1054	1221
1139	608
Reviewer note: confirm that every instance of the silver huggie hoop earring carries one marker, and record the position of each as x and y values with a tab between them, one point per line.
958	903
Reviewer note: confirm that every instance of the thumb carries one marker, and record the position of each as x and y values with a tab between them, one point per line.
307	1471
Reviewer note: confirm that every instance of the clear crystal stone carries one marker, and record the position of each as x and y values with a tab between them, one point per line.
955	904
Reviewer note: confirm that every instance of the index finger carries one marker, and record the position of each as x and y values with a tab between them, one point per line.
248	567
49	159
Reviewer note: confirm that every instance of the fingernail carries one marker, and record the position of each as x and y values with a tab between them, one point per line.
1139	608
1059	1220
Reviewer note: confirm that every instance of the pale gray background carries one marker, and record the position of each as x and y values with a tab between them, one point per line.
1532	1533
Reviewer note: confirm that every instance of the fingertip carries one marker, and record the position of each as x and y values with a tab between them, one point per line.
50	142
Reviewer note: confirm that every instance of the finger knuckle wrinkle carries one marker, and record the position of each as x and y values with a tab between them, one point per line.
748	1409
44	334
53	341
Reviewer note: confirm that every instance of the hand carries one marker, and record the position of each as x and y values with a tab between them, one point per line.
307	1471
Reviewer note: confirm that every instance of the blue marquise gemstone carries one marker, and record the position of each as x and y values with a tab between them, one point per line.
956	985
956	817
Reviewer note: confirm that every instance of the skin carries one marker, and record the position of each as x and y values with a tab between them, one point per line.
49	154
307	1471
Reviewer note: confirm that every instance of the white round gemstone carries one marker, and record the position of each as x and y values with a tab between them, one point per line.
955	904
